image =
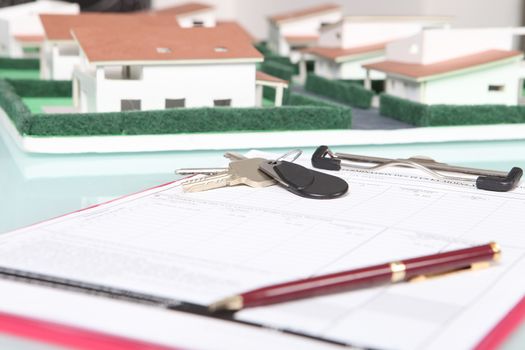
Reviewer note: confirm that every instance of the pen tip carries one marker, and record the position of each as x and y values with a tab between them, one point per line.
233	303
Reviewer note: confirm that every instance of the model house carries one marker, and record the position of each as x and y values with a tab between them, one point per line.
293	31
21	32
343	47
455	66
166	67
60	52
191	14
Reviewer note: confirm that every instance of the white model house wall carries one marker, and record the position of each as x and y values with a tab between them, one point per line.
205	18
496	85
58	60
199	85
327	68
363	32
349	70
331	36
436	45
404	89
356	34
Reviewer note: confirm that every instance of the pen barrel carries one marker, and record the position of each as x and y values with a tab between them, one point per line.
371	276
316	286
450	261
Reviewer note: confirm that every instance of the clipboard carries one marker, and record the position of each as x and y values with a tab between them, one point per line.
85	339
66	335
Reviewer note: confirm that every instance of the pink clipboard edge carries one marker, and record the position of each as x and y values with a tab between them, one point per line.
501	332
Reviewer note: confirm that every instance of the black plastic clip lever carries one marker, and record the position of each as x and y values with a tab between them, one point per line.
324	159
500	183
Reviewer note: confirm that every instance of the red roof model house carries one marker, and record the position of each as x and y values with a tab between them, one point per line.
455	66
167	67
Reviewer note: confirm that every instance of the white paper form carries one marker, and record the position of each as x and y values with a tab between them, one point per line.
201	247
142	322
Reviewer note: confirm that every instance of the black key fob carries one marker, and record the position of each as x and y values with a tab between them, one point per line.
305	182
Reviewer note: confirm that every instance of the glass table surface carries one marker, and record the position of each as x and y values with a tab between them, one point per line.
36	187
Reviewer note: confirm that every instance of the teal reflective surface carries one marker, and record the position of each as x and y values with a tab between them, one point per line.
38	187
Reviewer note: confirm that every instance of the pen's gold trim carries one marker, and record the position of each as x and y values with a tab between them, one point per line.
479	265
398	269
496	249
233	303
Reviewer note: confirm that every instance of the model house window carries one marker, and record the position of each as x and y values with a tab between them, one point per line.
222	103
299	46
175	102
130	105
198	23
496	87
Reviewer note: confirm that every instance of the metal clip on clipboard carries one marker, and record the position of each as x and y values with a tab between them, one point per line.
490	180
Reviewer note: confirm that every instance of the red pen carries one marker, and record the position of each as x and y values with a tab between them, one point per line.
392	272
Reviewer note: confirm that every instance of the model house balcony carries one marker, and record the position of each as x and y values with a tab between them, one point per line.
122	73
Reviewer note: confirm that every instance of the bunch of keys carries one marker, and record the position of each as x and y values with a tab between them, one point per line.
260	172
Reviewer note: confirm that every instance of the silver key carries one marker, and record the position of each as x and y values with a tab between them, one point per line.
200	171
232	156
244	172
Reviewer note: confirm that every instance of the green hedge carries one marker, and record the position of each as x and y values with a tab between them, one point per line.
270	56
285	61
191	120
378	86
15	109
296	99
41	88
278	70
443	115
19	63
352	94
404	110
263	48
